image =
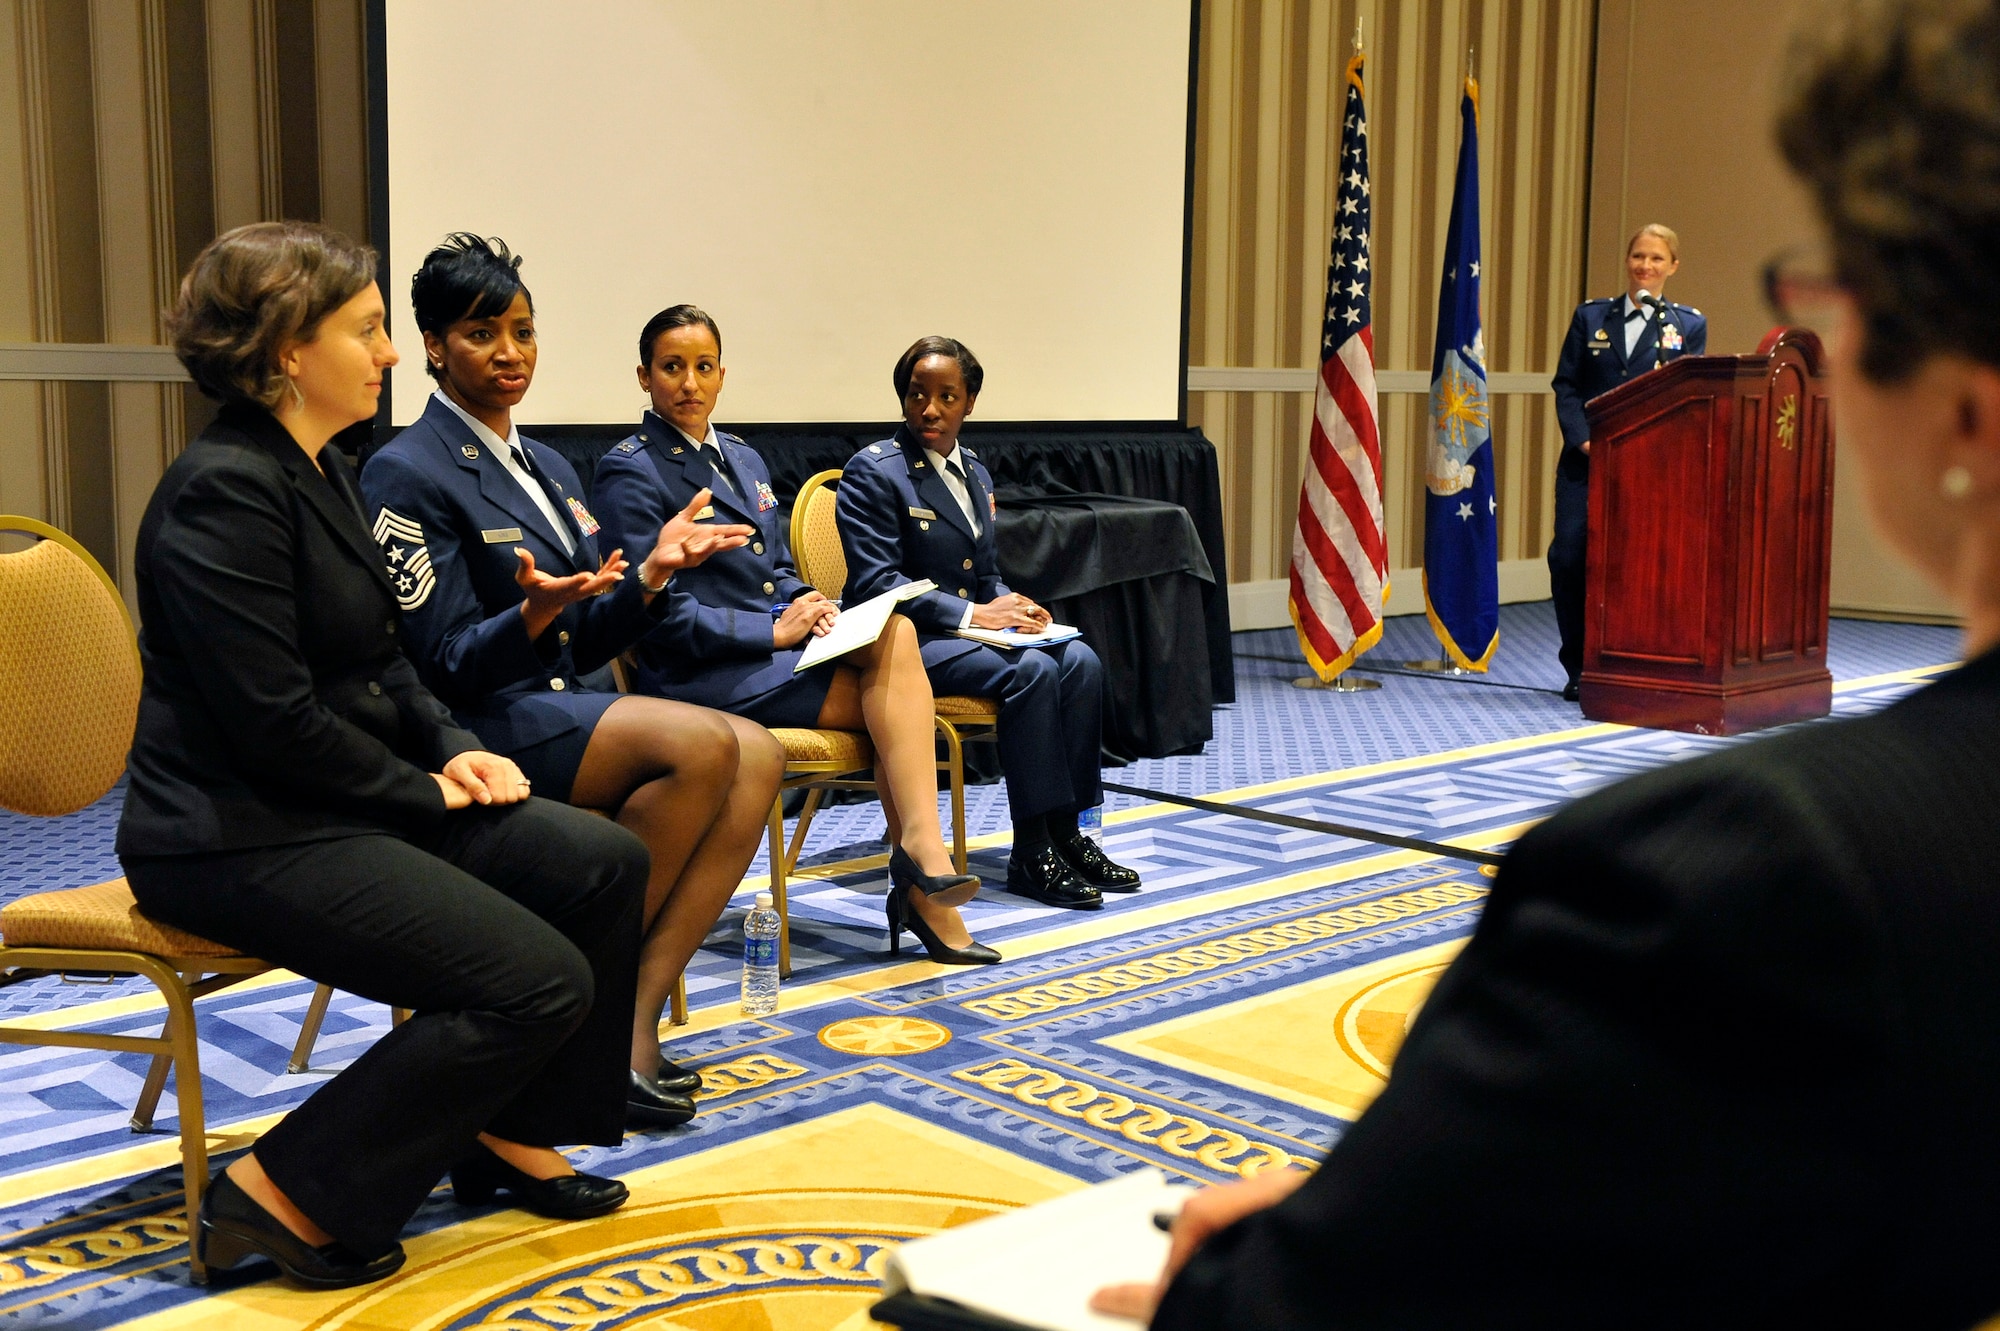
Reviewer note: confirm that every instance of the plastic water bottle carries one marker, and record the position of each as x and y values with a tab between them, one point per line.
760	958
1091	821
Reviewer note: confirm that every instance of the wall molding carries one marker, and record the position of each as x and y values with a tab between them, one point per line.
1262	605
100	361
1263	379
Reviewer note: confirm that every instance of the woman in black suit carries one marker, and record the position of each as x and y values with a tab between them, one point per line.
1721	1050
297	794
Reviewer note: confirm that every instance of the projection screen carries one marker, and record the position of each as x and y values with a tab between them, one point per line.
830	179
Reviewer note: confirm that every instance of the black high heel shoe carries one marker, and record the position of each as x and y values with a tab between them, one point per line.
946	889
476	1178
901	917
233	1227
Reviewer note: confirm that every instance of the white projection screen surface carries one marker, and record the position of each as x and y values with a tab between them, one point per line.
830	179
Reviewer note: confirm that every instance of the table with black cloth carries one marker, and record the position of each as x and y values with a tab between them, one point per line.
1117	532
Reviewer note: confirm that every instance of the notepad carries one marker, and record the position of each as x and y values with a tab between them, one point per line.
1037	1267
859	625
1011	638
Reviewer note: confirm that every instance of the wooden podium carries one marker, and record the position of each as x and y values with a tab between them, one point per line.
1711	529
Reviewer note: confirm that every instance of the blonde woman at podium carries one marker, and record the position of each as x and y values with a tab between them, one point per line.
1610	341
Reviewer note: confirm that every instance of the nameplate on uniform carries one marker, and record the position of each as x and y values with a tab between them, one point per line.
707	511
500	535
923	513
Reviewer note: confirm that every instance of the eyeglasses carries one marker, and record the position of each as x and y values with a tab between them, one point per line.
1801	289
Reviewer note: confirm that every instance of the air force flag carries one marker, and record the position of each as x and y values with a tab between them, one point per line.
1461	541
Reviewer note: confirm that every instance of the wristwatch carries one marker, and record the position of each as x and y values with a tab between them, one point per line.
651	590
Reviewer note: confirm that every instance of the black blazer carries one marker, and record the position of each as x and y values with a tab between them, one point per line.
278	706
1721	1053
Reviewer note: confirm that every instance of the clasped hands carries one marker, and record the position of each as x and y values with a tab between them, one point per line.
479	777
683	542
1207	1213
810	613
1012	611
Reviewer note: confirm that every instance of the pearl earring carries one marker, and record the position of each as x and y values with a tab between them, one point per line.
1956	483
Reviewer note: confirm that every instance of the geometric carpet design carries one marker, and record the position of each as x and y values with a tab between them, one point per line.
1236	1014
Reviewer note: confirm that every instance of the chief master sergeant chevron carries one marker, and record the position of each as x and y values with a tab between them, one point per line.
1610	341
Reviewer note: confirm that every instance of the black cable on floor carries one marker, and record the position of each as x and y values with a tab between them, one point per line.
1407	674
1311	825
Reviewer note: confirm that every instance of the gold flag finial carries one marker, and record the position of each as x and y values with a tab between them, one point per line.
1358	20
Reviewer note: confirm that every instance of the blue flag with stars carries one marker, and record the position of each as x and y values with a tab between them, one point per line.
1461	519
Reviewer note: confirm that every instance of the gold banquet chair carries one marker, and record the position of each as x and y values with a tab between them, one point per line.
69	698
821	562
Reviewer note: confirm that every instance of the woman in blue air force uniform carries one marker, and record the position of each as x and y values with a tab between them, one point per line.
921	506
510	611
1609	342
735	630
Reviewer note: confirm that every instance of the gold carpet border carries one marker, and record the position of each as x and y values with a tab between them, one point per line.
1150	1125
1249	945
747	1074
34	1265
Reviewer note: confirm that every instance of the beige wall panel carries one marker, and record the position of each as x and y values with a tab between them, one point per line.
1708	69
340	40
242	112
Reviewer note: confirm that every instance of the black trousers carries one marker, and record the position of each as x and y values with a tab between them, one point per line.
1051	720
1569	557
512	932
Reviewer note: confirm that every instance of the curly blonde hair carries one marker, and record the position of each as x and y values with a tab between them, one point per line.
253	291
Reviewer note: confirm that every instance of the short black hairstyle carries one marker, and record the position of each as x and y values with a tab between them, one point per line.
674	316
465	277
968	364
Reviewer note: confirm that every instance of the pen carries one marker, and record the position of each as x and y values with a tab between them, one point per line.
782	606
1164	1221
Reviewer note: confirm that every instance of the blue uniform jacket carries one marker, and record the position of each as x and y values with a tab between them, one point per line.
1594	361
713	646
449	516
900	523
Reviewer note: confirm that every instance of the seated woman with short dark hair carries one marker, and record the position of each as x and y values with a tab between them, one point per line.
511	612
297	794
733	641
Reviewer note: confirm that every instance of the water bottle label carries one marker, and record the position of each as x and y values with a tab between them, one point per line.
1091	820
760	952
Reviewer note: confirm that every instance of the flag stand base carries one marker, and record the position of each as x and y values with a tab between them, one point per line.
1341	684
1435	667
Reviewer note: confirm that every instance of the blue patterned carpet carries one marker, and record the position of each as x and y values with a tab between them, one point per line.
1106	1041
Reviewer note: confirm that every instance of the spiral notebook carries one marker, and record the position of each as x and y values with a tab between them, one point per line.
859	625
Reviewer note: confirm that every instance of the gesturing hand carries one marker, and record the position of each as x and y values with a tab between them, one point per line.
1012	611
1206	1213
684	542
811	613
486	778
547	596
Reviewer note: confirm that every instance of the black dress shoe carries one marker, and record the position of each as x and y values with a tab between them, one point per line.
476	1178
650	1105
233	1228
902	917
1572	691
1046	876
673	1077
1093	866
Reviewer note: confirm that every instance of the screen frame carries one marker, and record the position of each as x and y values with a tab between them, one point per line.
380	204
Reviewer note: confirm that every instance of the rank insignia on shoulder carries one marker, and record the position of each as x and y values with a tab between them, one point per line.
470	450
629	446
968	452
582	516
766	501
874	448
409	559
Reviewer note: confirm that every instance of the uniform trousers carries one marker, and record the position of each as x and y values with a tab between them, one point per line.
513	934
1051	719
1569	558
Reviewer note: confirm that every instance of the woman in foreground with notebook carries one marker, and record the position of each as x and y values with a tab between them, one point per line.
733	636
919	506
1720	1052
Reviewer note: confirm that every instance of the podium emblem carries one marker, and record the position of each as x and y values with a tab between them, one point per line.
1786	427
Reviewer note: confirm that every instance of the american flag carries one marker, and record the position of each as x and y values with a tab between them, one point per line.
1340	556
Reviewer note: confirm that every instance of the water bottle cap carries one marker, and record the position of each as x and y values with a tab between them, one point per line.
763	898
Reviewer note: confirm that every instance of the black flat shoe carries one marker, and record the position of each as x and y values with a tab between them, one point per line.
650	1105
1572	691
901	917
1046	876
476	1178
1093	866
946	889
234	1228
673	1077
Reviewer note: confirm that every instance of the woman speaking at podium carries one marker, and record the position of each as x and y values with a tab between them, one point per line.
1610	341
737	625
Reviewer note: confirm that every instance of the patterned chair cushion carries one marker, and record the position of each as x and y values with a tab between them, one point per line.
103	915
